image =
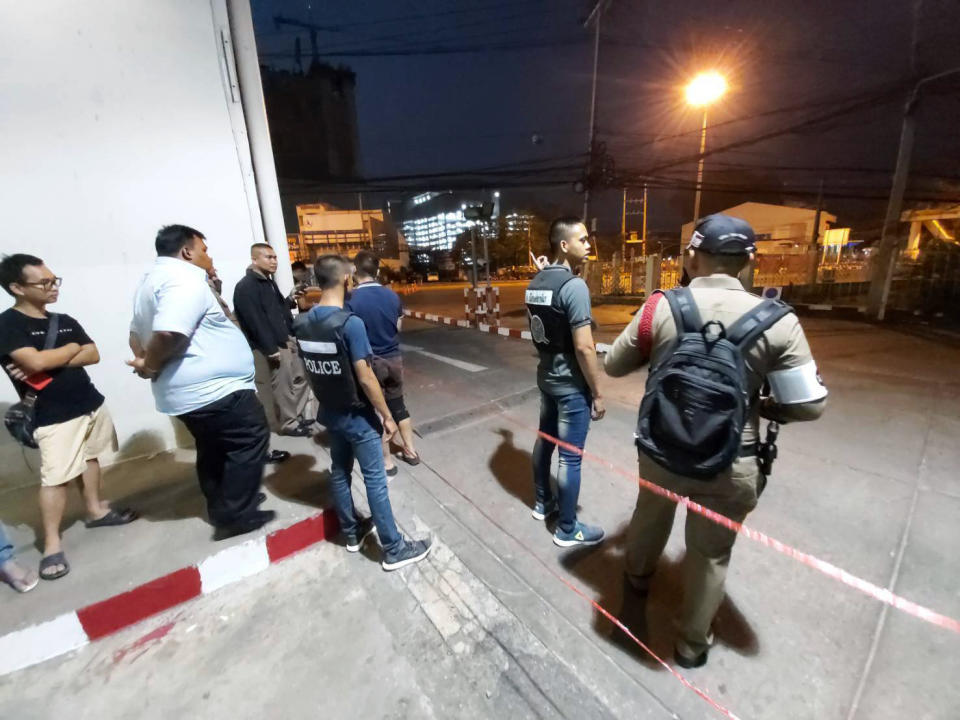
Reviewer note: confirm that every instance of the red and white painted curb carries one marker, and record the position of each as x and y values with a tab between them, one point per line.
482	327
70	631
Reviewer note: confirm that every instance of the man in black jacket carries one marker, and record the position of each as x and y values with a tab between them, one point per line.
265	318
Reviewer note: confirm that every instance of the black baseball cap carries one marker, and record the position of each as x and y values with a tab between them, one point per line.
723	235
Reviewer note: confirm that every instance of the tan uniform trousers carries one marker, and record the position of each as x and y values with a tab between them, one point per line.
293	401
732	493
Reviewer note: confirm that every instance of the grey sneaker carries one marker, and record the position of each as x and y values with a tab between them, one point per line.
355	540
409	552
541	511
581	534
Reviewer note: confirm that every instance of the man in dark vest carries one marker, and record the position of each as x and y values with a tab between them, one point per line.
558	307
336	351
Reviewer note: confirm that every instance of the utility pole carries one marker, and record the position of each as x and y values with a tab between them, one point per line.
881	274
529	239
594	16
623	223
486	255
644	236
815	239
473	254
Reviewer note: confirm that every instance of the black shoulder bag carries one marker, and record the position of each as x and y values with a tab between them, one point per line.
21	418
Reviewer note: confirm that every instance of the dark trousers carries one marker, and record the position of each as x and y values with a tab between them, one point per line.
232	439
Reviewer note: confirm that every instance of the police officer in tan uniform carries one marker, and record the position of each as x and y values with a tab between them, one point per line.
720	247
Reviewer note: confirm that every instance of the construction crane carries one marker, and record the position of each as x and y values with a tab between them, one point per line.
280	20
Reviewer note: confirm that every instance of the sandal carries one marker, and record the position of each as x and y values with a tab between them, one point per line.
52	561
410	459
18	577
112	518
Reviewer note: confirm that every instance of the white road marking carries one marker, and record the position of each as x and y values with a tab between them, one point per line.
463	365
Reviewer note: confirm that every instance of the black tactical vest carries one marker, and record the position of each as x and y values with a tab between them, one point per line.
327	359
549	325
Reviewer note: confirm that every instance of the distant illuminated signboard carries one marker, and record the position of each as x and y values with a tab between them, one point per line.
836	237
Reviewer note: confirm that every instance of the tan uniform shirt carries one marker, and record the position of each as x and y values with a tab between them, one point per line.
722	298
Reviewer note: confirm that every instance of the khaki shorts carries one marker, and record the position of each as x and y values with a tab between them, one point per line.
65	447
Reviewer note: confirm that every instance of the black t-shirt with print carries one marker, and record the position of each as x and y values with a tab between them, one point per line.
70	393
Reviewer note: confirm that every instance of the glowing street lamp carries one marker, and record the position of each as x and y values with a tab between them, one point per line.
704	90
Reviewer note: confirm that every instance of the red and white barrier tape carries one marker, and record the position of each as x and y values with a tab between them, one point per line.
597	606
828	569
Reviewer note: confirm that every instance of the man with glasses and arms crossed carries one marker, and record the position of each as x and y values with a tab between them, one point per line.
72	426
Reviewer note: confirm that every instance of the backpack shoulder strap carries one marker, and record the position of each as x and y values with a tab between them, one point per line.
52	329
686	316
756	322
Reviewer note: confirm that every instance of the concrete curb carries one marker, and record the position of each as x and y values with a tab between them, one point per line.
70	631
481	327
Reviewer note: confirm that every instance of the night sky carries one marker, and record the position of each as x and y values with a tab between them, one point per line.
788	63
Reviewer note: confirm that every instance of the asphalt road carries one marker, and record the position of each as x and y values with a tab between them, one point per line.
447	299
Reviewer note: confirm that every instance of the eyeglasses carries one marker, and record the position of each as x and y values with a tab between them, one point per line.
47	283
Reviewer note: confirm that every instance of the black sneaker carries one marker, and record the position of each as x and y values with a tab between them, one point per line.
256	520
355	539
277	456
690	663
409	552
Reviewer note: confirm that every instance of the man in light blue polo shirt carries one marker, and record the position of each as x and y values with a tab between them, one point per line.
201	371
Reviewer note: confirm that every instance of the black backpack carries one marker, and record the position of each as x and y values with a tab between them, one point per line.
696	402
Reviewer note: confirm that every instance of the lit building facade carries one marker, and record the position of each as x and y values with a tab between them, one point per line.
325	229
518	223
434	220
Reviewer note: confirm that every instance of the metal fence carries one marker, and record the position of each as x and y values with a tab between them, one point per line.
927	285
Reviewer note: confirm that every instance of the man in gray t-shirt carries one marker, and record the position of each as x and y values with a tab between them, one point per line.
558	305
559	374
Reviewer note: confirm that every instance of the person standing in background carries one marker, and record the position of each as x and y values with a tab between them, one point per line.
216	285
381	310
265	318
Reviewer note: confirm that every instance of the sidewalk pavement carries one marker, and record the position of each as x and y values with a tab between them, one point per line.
171	534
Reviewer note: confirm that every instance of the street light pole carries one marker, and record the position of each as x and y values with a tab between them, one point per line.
703	148
704	89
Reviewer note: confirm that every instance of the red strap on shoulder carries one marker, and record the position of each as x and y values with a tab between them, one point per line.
645	329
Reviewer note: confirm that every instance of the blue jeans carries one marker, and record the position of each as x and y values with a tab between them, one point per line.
568	419
6	547
358	436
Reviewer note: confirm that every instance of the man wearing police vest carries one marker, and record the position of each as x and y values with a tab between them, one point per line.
568	375
712	348
336	352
